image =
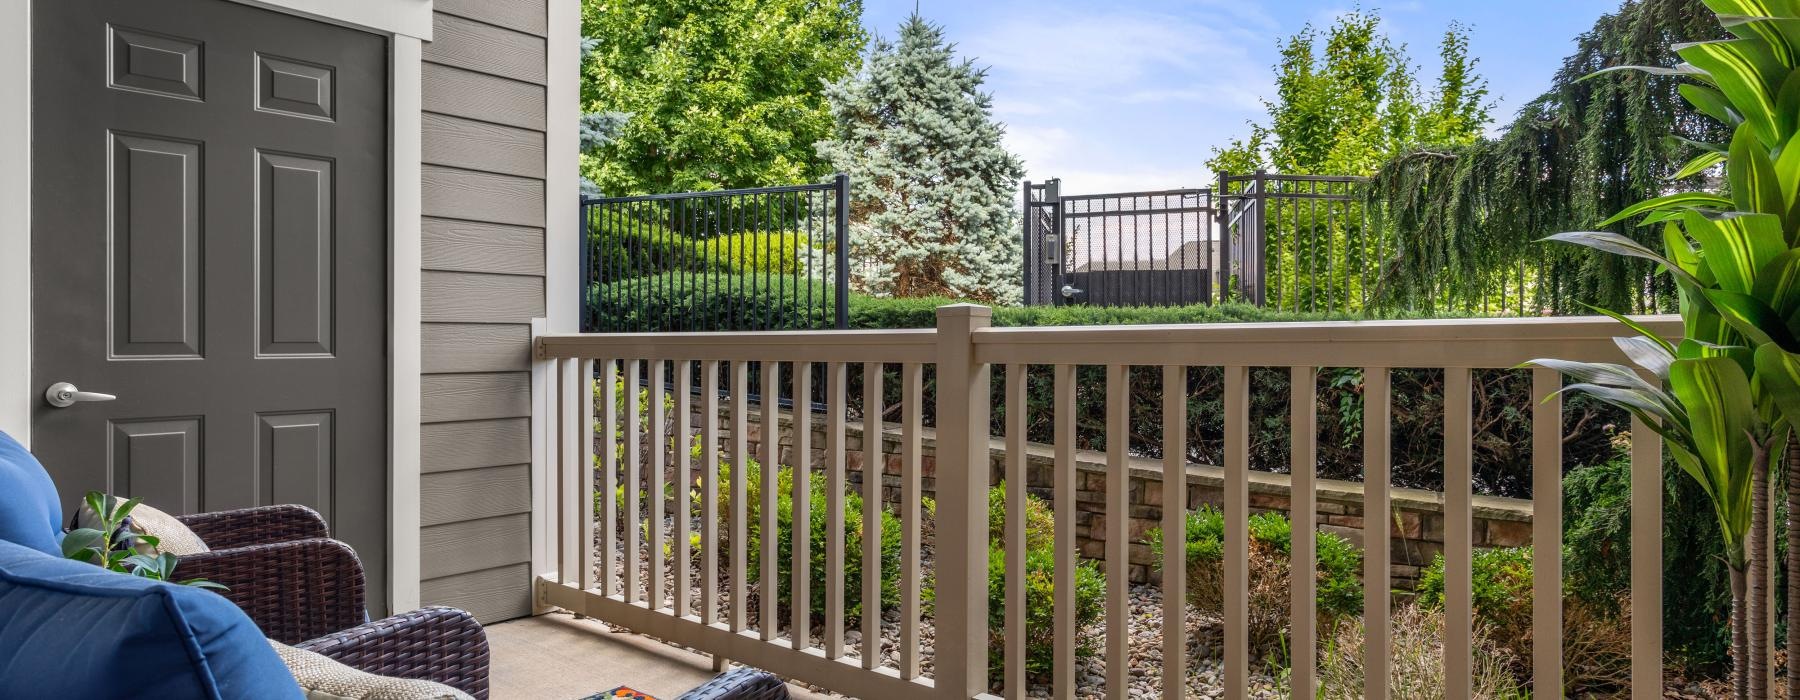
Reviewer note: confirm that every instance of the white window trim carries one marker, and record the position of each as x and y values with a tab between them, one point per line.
408	23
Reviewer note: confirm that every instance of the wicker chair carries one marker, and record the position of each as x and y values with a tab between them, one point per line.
305	589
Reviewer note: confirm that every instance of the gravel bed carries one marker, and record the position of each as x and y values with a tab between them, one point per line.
1205	673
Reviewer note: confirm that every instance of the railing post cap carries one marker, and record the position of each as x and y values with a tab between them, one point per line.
964	311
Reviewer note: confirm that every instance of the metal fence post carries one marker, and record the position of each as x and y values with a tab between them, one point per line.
1260	248
587	261
962	486
1221	212
843	251
1031	254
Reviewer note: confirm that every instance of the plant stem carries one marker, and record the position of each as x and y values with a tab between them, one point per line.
1756	555
1740	656
1793	565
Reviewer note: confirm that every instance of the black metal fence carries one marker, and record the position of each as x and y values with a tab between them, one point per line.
1288	242
768	258
1154	248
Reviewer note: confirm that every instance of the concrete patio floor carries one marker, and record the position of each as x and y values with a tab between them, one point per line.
557	657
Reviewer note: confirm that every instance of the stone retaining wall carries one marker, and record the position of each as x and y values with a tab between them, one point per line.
1417	533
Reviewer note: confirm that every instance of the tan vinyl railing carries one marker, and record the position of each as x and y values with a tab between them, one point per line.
964	349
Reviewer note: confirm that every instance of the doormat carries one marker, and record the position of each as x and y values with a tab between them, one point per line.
621	692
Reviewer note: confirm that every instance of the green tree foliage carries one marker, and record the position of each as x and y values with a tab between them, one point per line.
933	197
1347	99
1465	215
708	94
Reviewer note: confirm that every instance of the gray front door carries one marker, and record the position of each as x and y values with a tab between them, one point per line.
209	243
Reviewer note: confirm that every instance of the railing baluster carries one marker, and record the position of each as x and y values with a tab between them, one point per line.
659	455
768	565
1304	554
568	506
1646	562
709	491
740	495
1118	531
1377	547
1546	533
682	562
584	468
634	480
834	509
1174	526
1015	409
1063	412
1458	545
609	474
800	598
873	472
1237	532
911	426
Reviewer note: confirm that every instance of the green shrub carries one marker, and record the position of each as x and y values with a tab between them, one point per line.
1040	588
1596	643
1339	583
784	543
1502	458
1597	555
646	249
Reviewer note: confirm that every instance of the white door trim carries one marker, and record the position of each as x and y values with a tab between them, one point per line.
406	22
15	227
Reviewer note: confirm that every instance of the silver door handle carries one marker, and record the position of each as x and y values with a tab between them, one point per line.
64	395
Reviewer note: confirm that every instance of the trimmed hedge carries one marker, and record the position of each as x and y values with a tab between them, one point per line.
1502	464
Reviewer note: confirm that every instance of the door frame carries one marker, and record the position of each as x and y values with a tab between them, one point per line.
406	23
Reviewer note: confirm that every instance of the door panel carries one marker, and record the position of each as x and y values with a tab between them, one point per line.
210	245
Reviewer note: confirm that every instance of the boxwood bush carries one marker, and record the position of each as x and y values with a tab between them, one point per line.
1040	589
1339	585
1502	464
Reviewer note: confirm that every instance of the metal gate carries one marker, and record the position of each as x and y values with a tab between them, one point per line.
1296	242
1152	248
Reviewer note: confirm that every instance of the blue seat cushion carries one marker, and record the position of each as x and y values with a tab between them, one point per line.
74	630
30	514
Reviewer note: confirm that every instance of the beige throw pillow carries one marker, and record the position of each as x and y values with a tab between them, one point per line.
324	678
175	538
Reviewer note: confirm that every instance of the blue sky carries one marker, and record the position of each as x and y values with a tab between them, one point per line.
1130	95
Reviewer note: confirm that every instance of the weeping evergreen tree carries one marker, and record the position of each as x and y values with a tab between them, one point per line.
932	206
1466	216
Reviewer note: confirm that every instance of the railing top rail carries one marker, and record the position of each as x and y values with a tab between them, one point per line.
903	345
817	187
1474	343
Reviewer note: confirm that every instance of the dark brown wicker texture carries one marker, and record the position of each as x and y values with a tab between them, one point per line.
305	589
445	645
228	529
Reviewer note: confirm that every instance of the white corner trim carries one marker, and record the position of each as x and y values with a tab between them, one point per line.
410	18
15	226
562	188
404	345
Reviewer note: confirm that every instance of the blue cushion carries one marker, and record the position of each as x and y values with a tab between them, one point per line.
30	513
74	630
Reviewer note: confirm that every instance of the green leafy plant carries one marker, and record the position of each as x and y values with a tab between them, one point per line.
1339	584
115	547
1040	588
1596	643
784	542
1734	378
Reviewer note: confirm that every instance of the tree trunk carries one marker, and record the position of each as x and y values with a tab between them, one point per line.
1756	557
1793	565
1740	648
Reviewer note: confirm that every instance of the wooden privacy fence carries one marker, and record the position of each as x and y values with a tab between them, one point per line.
590	548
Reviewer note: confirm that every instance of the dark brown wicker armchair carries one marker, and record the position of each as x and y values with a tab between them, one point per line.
305	589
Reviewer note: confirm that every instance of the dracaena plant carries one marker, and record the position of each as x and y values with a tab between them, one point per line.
115	547
1728	393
